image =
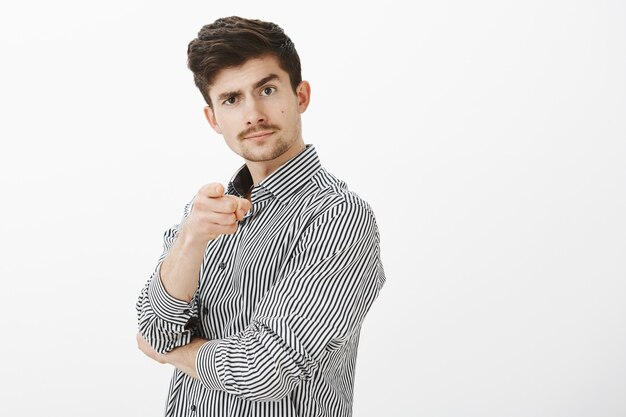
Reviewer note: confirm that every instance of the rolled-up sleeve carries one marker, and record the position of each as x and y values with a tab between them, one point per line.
316	305
163	319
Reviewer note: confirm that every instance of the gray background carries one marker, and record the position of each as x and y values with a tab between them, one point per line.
489	137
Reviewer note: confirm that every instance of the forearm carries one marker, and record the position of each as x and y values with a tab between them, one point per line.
181	267
213	214
273	371
162	319
166	303
183	358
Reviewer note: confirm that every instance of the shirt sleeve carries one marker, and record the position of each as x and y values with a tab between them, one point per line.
164	321
317	304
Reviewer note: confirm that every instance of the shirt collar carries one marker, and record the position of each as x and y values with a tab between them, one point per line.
283	182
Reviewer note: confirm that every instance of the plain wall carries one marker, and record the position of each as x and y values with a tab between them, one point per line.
488	136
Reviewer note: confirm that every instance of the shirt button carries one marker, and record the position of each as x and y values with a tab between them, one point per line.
193	408
205	311
222	265
186	311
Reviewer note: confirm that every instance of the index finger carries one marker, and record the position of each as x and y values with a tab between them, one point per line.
212	190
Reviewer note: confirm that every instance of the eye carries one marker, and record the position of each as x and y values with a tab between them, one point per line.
230	100
268	91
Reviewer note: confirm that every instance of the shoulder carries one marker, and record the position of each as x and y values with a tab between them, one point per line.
333	190
331	199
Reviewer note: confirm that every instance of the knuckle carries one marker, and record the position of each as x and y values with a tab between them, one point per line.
231	206
198	204
226	219
224	206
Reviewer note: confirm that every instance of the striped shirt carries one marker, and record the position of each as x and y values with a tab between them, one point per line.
281	301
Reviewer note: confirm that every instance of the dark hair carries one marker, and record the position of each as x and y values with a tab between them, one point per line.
231	41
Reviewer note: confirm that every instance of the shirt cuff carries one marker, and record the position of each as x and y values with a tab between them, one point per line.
164	305
207	365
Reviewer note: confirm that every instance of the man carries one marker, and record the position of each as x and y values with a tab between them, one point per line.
259	296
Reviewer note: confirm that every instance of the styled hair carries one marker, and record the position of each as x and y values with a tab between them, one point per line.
231	41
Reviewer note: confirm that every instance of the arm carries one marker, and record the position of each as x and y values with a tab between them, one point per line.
183	357
165	304
213	214
317	304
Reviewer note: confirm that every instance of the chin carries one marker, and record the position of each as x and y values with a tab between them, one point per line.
260	156
265	153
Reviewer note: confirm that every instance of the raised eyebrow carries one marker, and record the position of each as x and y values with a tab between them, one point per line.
265	80
235	94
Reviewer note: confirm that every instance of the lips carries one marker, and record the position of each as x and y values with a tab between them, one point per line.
258	135
258	132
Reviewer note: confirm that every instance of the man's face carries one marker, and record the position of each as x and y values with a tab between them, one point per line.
257	111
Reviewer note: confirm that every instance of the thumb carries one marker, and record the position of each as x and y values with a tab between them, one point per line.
244	204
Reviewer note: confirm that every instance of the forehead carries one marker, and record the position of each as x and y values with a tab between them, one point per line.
245	76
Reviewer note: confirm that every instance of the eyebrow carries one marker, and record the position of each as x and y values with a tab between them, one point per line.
258	84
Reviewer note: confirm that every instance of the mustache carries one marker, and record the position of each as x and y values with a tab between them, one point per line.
257	128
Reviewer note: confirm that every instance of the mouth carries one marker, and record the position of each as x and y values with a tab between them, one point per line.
259	135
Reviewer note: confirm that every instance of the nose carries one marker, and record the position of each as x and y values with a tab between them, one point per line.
254	112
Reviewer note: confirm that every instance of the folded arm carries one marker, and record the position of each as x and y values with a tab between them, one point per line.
318	302
316	305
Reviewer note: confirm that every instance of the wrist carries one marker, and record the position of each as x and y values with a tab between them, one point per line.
190	241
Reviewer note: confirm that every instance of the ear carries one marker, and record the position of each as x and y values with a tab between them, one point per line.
303	92
210	116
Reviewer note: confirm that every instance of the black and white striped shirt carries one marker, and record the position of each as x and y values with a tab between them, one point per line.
281	300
